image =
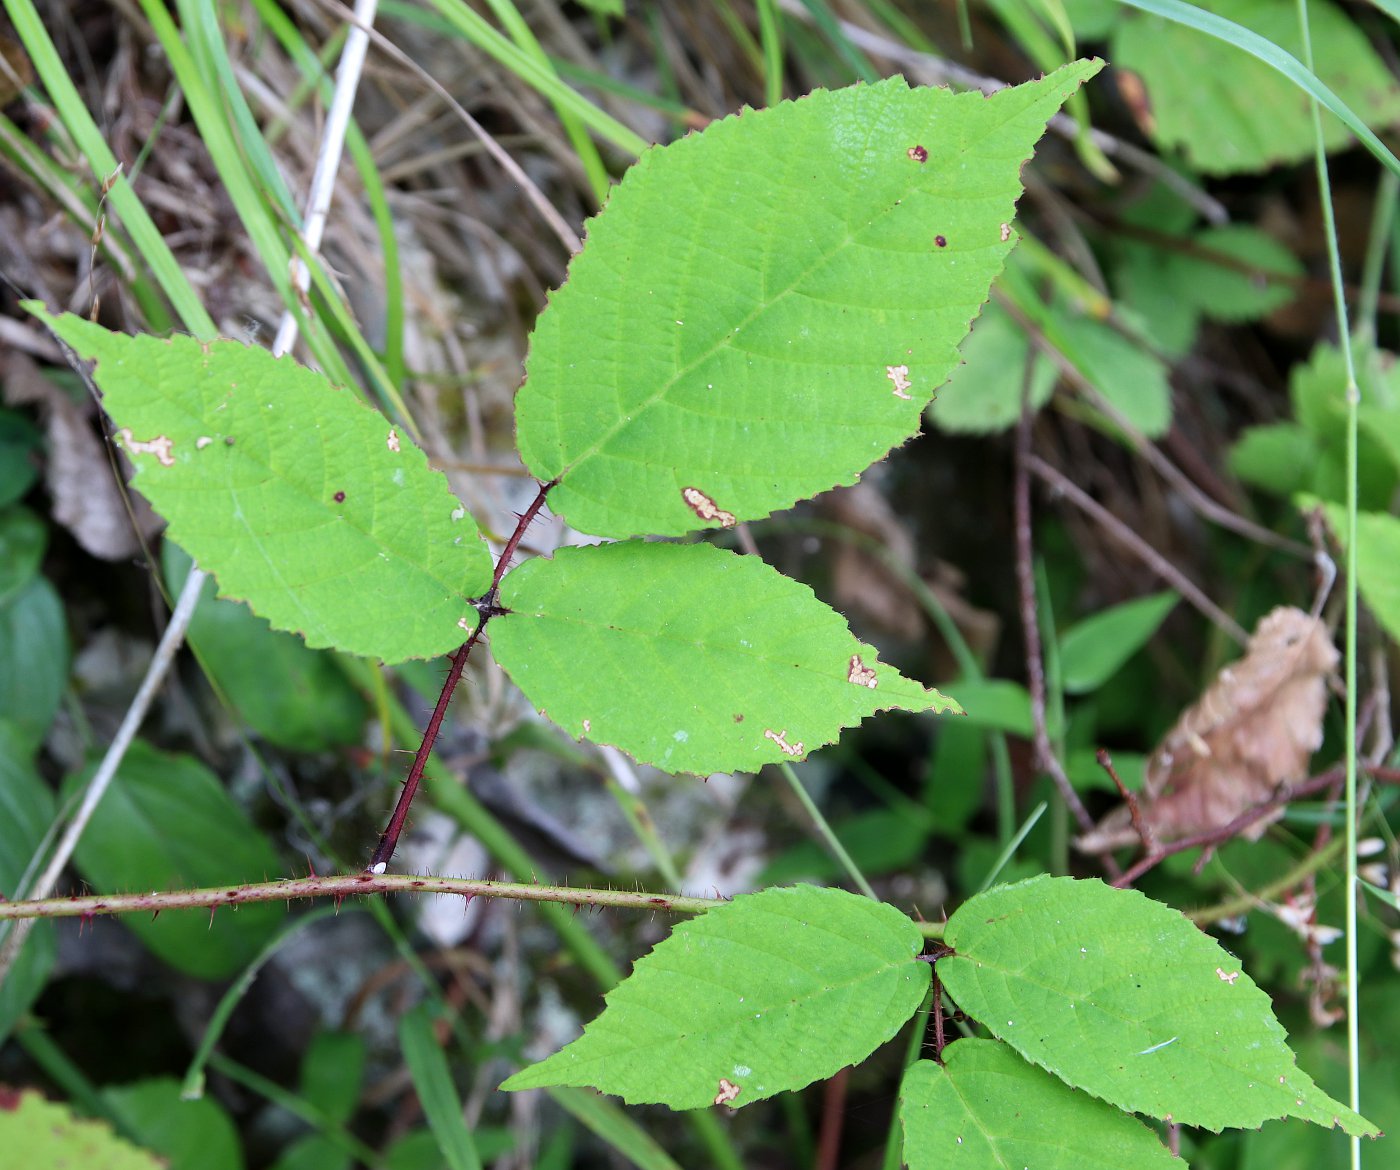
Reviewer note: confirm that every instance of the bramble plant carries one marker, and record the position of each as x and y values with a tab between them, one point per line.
762	311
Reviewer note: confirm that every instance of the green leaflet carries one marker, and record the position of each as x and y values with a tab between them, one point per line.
289	694
986	1107
689	657
36	1132
1126	999
166	823
768	993
718	357
307	504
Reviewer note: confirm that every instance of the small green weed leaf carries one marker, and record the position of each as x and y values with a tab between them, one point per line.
19	440
303	501
166	823
289	694
1377	554
1092	651
1238	294
1194	83
26	811
985	1108
689	657
1277	457
332	1074
33	659
737	336
1126	999
984	393
188	1135
1130	377
996	703
765	994
35	1132
22	540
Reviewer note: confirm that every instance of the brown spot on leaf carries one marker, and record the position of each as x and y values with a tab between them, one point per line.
899	375
339	497
1255	728
738	718
393	440
704	507
161	447
941	241
860	674
918	153
780	738
728	1090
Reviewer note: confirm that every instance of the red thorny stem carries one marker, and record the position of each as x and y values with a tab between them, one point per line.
389	839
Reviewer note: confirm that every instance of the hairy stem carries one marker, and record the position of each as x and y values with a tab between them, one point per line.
341	886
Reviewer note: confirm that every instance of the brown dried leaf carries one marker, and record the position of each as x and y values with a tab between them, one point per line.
1255	728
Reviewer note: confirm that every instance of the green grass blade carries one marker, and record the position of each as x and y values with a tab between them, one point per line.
436	1093
475	29
139	226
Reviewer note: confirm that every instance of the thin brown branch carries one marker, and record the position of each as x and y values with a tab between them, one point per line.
1139	547
1046	757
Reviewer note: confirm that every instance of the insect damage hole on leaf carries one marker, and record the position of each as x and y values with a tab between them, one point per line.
899	376
780	738
704	507
860	674
161	447
918	153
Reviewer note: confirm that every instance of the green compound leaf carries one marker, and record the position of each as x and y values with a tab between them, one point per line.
304	502
763	995
166	823
985	1107
765	308
1124	998
1228	112
689	657
35	1132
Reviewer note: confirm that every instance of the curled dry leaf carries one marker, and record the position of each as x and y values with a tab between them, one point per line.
1255	728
